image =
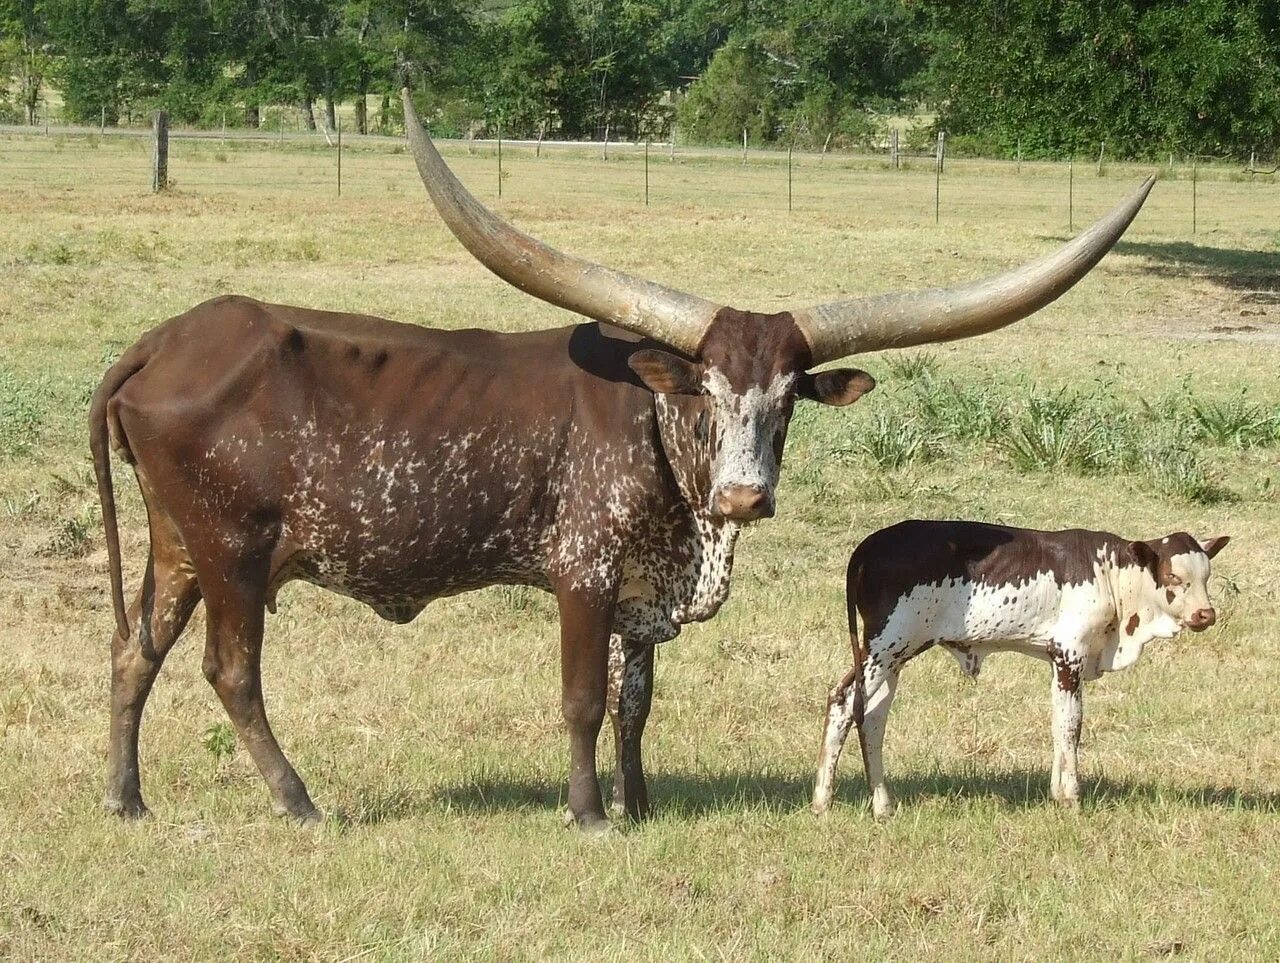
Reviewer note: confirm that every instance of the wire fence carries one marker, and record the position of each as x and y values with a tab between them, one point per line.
1202	194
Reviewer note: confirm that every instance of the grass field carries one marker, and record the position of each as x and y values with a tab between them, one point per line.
1145	401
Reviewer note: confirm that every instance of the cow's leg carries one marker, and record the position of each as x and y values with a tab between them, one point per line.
159	614
585	620
631	675
871	737
1068	715
233	666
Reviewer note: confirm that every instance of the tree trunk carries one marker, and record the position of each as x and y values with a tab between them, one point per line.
252	116
362	102
384	120
330	112
308	114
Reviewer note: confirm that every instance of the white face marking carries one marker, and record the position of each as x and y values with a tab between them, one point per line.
746	426
1192	595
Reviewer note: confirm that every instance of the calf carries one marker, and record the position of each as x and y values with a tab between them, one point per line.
1086	602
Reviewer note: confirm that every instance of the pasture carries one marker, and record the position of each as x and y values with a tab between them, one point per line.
1146	400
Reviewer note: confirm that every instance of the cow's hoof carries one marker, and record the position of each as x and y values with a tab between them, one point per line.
304	815
591	825
1070	803
126	808
884	810
618	808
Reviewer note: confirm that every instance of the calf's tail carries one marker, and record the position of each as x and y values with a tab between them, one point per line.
859	653
100	445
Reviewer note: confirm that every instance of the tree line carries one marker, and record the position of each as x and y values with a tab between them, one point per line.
1042	76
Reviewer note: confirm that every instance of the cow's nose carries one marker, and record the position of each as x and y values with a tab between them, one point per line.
743	503
1201	619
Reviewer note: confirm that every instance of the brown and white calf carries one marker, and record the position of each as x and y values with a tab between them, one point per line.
1086	602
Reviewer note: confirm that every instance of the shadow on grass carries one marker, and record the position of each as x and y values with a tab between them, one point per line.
1253	271
694	795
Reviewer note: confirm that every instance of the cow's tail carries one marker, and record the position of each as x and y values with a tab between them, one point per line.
100	445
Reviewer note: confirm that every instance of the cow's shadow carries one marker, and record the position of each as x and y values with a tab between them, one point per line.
691	796
1254	271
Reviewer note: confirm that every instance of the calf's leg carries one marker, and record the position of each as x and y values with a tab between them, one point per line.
630	698
233	666
871	736
1068	714
159	614
843	711
585	620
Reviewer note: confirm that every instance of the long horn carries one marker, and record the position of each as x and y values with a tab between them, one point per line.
900	320
662	313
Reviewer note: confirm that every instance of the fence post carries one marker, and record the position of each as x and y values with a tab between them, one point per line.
604	154
1101	151
788	178
1071	197
1195	169
744	145
1019	155
542	132
160	165
937	184
672	156
646	172
499	158
942	150
893	148
338	124
102	123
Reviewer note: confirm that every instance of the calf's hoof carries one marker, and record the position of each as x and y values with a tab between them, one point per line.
1069	803
132	808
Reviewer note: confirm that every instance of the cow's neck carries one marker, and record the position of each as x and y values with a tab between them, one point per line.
1133	591
684	424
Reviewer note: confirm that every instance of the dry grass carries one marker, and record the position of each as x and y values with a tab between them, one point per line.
438	744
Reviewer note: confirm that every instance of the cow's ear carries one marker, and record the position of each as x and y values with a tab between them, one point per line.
1145	555
1212	546
839	387
666	374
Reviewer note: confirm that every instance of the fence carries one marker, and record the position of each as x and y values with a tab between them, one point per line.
237	161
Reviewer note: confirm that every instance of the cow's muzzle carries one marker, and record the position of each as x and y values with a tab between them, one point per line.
1201	619
743	503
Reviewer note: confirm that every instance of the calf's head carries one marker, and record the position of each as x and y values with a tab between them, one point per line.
1178	565
751	366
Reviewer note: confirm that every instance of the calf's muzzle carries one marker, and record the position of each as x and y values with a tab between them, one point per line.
1201	619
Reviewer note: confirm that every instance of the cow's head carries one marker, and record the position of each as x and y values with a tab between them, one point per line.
1178	564
752	367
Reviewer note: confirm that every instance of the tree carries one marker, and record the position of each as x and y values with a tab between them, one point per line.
24	51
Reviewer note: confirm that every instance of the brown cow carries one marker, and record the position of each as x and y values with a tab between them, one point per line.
397	464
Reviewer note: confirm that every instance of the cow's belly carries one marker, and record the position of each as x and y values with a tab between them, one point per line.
398	564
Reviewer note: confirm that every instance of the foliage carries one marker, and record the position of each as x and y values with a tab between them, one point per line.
1145	76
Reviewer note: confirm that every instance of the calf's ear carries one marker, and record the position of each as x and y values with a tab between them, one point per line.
1144	555
666	374
839	387
1212	546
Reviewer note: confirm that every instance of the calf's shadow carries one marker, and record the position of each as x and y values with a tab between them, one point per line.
690	796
